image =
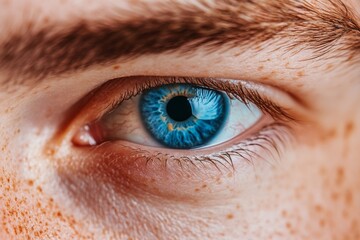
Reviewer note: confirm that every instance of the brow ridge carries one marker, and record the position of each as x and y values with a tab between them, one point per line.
54	49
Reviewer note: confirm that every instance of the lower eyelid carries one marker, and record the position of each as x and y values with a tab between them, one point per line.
147	169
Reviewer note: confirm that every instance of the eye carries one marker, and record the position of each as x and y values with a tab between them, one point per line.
175	115
143	134
179	116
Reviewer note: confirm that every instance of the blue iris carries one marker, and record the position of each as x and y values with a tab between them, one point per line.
183	116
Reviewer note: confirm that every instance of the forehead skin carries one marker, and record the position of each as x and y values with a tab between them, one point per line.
313	195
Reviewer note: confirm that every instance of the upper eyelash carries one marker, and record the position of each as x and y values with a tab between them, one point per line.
237	91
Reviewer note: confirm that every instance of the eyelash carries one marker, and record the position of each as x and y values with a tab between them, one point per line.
271	137
234	91
268	139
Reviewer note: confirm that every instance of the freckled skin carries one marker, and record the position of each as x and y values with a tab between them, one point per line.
311	192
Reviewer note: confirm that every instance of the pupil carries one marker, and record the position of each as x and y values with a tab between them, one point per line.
179	108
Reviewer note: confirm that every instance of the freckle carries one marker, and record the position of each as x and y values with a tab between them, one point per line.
116	67
334	196
288	225
322	223
197	190
30	182
354	224
340	175
204	186
329	67
39	189
349	128
218	180
46	19
284	213
318	208
260	68
230	174
300	73
58	214
348	197
230	216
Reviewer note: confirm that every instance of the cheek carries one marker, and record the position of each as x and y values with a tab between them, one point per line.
321	184
312	194
27	212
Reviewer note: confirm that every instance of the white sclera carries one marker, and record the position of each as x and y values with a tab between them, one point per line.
240	118
125	123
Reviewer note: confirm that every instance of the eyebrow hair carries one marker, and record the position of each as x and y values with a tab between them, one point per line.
328	27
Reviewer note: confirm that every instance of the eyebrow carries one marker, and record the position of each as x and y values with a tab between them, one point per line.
328	29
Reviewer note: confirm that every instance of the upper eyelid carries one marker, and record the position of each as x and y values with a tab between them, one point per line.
108	95
271	97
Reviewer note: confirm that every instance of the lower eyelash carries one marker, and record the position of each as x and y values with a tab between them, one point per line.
270	141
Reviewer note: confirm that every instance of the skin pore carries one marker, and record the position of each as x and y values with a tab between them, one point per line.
51	189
